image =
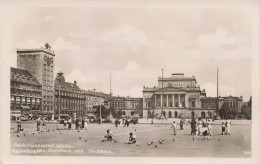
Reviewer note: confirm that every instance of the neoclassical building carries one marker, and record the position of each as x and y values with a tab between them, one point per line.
175	96
128	105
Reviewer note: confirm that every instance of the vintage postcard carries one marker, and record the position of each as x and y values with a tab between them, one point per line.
139	81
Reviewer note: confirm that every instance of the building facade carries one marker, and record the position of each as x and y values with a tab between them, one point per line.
129	106
40	63
176	96
69	98
26	92
229	102
93	99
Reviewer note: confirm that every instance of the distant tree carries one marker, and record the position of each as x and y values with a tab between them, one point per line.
104	111
116	113
223	111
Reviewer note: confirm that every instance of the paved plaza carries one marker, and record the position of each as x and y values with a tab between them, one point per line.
88	142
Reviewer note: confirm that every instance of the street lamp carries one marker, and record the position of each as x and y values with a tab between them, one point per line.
100	106
59	104
154	104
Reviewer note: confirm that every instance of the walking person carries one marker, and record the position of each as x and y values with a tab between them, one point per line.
209	125
174	127
200	125
228	123
19	125
77	123
193	127
69	123
223	128
38	123
85	123
181	123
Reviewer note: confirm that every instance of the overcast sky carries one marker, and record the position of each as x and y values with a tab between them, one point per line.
136	43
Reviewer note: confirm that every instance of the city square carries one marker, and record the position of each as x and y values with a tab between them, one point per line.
144	80
88	142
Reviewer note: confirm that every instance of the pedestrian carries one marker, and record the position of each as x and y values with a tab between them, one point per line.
19	125
200	125
205	132
223	128
193	127
85	123
132	138
99	121
109	135
65	123
69	123
174	127
77	123
126	122
181	124
209	125
43	122
38	122
228	123
116	122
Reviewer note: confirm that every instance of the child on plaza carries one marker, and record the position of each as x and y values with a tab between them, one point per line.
174	127
109	135
223	128
132	138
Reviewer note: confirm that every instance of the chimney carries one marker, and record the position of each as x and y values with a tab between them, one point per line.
75	82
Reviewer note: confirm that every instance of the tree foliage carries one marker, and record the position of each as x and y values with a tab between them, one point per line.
104	111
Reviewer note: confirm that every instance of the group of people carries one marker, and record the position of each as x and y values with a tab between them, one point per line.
225	127
132	137
202	128
80	123
123	122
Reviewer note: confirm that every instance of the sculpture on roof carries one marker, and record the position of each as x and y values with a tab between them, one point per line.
47	46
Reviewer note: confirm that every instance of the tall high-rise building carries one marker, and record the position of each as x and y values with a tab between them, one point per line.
40	63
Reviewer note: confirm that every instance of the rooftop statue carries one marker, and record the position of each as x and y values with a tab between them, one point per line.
47	46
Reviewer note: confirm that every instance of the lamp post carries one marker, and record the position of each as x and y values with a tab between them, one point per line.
162	95
100	106
59	104
154	104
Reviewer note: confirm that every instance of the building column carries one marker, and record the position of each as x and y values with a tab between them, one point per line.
179	100
155	105
161	100
167	102
173	100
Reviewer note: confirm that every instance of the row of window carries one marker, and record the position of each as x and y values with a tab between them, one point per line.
118	104
178	83
18	99
24	86
23	78
69	94
25	92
